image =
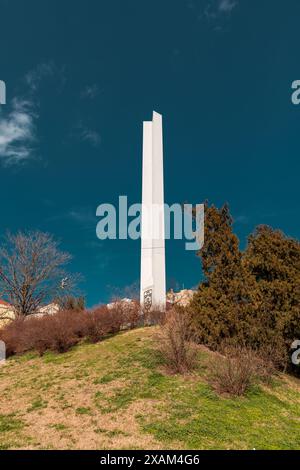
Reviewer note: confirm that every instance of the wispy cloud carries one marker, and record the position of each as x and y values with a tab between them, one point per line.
91	136
18	119
131	291
86	134
17	132
90	91
34	77
216	10
227	5
82	215
241	219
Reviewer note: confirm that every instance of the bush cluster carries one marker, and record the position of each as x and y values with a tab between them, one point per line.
64	329
237	369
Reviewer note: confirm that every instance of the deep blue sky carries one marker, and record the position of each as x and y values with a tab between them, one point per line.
82	76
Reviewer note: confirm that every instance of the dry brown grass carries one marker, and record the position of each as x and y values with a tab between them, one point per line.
56	403
113	395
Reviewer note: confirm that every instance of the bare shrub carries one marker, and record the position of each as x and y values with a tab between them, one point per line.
132	314
129	313
94	329
174	342
103	321
58	332
61	331
154	317
64	329
238	369
70	302
11	334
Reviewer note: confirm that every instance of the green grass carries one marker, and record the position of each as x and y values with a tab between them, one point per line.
202	420
105	388
10	423
59	427
83	411
37	404
10	431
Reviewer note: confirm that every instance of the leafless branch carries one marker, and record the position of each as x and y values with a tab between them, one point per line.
32	271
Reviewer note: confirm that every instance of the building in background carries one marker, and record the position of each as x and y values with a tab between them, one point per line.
7	312
182	298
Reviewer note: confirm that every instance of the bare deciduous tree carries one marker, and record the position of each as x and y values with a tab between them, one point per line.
131	291
32	272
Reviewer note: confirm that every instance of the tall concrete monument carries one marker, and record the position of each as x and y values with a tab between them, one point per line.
153	269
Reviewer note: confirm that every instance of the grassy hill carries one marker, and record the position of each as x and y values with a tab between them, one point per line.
116	395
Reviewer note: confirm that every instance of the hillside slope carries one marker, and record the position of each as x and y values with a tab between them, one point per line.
115	395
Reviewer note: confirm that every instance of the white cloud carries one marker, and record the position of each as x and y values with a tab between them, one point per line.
82	215
90	91
241	219
84	218
227	5
18	118
17	132
90	136
216	9
85	134
36	75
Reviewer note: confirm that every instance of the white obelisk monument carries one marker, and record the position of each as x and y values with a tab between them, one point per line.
153	269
